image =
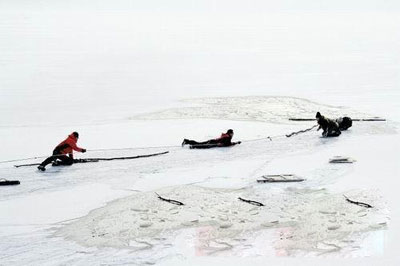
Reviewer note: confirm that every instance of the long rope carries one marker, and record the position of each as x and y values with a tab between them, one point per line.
270	138
91	150
25	159
95	160
136	148
300	131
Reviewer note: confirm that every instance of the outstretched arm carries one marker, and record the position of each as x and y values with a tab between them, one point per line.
76	148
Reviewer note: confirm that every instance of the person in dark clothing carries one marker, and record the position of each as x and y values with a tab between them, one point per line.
224	140
330	127
344	122
59	156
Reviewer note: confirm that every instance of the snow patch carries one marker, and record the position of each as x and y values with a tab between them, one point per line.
315	221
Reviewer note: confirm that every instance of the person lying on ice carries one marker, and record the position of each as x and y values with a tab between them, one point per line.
224	141
59	156
330	127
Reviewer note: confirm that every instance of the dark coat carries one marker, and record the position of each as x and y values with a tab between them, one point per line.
344	122
330	127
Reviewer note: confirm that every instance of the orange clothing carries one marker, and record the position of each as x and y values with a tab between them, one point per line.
68	146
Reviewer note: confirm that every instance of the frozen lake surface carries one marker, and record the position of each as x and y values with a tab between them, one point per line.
136	78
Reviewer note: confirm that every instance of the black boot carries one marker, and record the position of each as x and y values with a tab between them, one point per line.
41	168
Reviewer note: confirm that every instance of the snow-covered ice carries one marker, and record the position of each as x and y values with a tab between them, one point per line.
302	219
136	77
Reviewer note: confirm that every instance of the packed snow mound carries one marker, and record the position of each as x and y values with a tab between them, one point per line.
311	220
251	108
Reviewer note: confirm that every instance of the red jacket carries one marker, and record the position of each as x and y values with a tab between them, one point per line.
224	140
67	146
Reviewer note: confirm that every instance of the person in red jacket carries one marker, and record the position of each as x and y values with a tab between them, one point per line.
59	156
224	140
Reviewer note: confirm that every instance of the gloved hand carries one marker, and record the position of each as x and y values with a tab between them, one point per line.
238	142
83	150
